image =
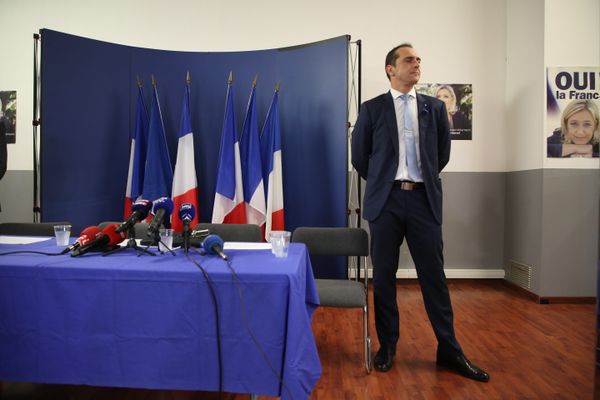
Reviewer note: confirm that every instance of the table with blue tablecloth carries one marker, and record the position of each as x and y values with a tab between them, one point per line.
150	322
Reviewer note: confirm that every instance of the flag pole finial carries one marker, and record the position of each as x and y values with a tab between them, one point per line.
139	82
187	77
254	81
153	81
277	85
230	79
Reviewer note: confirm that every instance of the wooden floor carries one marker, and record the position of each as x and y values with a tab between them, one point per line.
531	351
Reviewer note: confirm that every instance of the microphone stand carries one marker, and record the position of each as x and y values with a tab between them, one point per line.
131	244
186	237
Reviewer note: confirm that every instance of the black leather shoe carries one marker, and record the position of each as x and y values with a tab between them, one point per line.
463	366
384	359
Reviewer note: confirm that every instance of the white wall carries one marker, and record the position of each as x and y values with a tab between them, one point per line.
525	84
461	41
572	40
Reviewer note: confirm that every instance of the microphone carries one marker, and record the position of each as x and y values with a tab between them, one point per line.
140	210
108	237
163	207
213	244
87	235
186	213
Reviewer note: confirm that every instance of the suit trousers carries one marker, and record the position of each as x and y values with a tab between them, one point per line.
407	214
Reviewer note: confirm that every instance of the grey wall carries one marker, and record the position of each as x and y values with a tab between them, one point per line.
552	225
474	219
523	221
473	226
16	195
546	218
569	232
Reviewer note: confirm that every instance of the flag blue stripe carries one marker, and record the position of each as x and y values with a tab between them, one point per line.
158	177
140	134
186	123
270	140
226	168
250	150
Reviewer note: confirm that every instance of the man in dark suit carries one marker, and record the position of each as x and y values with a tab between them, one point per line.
400	144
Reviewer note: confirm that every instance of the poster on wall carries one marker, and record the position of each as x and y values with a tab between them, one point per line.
572	112
459	103
8	113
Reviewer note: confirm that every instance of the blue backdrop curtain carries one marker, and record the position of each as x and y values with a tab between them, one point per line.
88	107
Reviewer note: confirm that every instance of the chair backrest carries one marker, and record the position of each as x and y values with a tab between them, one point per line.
30	228
333	241
234	232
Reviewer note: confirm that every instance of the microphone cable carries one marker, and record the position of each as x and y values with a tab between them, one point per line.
218	329
238	284
30	252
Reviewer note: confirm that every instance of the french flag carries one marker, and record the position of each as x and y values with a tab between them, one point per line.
229	207
254	190
158	174
270	149
185	184
137	154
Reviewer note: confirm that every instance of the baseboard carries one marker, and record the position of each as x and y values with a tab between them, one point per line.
451	273
456	273
548	299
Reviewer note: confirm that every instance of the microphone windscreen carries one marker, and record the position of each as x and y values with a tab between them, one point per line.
88	234
114	237
165	203
143	206
91	231
187	212
210	242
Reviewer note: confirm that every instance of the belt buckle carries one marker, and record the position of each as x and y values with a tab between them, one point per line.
406	185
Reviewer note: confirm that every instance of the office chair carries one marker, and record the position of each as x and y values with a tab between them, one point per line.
30	228
344	293
233	232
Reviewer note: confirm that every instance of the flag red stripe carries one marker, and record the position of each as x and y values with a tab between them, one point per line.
237	215
191	196
277	221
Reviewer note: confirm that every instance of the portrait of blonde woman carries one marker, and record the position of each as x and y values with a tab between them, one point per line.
579	132
458	121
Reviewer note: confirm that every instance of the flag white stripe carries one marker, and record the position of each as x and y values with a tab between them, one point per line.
185	176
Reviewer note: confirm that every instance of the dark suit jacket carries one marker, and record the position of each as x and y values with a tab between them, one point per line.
375	150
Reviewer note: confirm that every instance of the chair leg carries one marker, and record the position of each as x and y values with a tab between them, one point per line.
367	340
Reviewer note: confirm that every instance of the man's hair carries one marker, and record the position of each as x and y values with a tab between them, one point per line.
392	56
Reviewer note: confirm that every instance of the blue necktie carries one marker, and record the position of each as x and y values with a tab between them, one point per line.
409	143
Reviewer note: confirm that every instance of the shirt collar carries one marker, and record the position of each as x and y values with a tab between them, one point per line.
395	93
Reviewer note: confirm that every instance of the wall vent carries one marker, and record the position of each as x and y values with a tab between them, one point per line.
519	274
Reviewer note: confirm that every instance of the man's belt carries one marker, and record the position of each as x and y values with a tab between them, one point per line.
409	185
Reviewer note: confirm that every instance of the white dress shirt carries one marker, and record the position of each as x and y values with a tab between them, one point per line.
402	173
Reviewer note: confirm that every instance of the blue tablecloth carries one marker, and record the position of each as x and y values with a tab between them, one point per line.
149	322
